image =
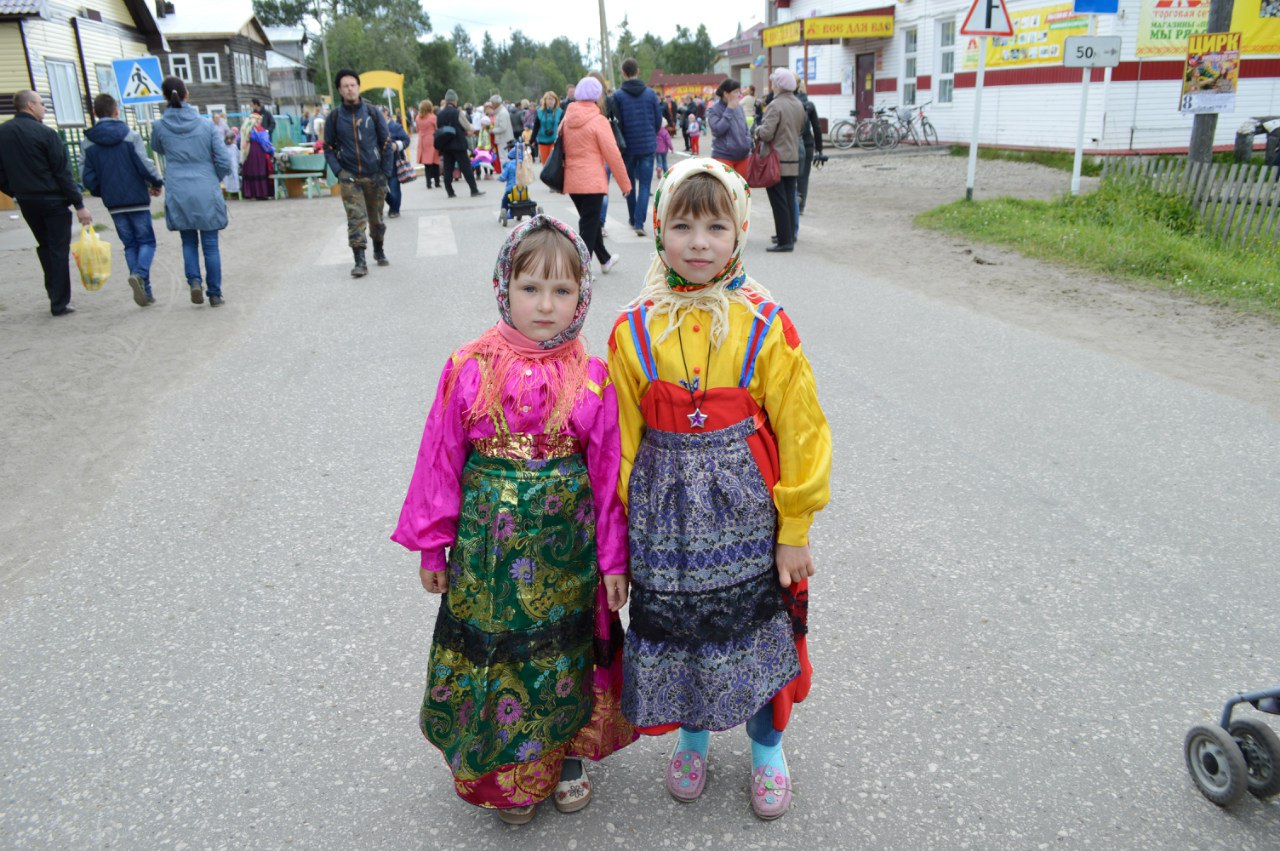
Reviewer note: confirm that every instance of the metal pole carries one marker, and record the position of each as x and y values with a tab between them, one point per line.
324	43
1084	109
1205	125
977	113
606	66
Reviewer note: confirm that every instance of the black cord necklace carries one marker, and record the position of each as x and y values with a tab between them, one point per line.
697	419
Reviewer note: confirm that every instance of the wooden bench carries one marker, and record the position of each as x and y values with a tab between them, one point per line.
312	181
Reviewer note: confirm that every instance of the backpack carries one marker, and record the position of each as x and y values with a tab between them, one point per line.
443	140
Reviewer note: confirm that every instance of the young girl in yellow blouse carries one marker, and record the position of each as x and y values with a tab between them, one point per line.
726	457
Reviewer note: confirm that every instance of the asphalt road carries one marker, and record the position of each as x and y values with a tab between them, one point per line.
1039	567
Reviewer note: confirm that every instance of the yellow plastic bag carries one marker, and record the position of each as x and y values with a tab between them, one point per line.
93	258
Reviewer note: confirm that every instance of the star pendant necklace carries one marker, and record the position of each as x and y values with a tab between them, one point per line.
697	419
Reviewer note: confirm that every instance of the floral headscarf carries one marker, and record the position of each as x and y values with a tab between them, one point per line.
741	194
502	277
669	294
504	353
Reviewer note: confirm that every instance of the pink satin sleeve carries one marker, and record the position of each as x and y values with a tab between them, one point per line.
429	518
604	459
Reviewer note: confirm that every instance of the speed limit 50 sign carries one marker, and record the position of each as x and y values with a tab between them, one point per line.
1091	51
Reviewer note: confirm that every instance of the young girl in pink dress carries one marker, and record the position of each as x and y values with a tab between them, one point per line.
517	479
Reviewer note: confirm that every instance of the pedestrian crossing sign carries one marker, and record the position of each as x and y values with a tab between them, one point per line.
138	79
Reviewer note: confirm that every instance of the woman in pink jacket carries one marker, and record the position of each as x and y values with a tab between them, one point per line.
588	147
427	153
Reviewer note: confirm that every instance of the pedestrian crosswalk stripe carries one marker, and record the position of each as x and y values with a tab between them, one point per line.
435	237
335	250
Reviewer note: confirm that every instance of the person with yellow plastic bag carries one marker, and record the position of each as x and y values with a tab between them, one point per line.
93	258
34	170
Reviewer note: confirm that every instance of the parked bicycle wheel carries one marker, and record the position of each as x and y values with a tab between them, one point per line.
886	136
843	134
866	134
926	130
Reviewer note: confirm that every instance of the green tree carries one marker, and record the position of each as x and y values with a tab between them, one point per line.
565	57
462	46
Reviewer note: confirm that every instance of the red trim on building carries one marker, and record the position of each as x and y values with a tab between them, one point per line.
822	88
865	13
1125	72
924	83
888	84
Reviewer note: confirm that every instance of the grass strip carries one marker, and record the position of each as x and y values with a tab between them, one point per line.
1061	160
1129	231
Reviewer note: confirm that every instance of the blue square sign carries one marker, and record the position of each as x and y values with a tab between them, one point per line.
1097	7
138	79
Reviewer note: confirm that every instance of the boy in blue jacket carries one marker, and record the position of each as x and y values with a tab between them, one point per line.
117	170
509	177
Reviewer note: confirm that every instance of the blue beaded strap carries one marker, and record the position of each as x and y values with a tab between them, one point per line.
644	345
755	340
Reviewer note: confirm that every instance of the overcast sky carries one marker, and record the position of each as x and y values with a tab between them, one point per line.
543	20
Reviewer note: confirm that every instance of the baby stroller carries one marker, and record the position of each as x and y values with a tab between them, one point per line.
519	204
1233	757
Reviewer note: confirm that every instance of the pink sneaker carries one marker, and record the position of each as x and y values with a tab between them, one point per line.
770	793
686	776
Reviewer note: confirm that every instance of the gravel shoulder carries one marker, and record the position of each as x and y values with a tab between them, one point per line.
1214	348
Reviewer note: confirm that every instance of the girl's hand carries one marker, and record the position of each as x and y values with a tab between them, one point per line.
434	581
794	563
615	586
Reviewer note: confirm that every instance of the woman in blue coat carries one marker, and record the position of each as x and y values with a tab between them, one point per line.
195	163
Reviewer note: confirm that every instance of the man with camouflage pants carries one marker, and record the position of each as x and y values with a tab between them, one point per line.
358	148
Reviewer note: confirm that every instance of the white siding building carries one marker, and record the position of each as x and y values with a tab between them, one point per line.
1029	99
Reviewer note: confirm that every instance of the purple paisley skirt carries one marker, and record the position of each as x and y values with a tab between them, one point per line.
709	642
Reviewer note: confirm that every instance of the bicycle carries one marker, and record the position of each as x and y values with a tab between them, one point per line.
842	133
910	123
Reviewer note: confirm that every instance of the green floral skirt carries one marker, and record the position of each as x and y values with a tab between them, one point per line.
512	658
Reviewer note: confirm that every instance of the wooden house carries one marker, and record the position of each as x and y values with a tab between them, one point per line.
220	51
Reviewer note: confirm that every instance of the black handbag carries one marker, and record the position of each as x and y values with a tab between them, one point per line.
617	135
553	169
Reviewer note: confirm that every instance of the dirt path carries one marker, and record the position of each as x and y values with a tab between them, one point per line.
1214	348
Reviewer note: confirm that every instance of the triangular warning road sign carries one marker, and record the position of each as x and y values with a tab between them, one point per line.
140	84
987	17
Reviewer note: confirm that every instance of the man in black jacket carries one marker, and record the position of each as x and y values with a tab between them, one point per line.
357	146
452	129
35	172
812	139
268	120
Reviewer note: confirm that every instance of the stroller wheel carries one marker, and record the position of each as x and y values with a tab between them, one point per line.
539	210
1216	764
502	217
1261	748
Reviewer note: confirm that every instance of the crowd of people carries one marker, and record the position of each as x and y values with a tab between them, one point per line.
625	135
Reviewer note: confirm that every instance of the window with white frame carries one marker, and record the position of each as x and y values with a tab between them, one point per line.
64	85
909	45
260	71
210	68
242	68
180	66
946	60
107	80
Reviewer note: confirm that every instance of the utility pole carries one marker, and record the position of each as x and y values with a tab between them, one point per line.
606	63
324	43
1205	125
